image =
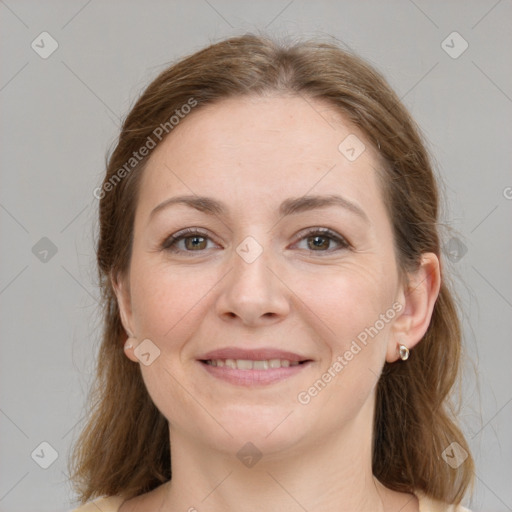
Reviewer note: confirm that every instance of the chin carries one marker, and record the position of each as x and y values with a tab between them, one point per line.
269	429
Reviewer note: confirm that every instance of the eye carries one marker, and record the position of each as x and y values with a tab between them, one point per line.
187	240
193	243
322	240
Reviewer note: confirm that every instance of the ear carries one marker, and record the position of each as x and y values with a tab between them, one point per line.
121	286
418	296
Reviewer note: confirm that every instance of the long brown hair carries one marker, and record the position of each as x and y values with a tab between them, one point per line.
124	448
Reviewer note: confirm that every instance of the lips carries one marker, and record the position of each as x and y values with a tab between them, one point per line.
255	367
261	354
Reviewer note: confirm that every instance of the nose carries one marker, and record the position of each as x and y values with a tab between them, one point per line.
253	293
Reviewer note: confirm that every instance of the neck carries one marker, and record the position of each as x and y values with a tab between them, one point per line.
331	474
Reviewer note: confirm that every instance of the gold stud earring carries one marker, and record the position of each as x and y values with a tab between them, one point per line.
403	351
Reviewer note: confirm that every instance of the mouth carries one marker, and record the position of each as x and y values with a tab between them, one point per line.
253	367
248	364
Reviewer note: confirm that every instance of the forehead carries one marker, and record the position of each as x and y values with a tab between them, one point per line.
262	146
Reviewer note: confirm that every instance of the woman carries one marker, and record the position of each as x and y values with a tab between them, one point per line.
278	333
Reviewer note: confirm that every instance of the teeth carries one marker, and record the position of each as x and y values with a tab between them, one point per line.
260	365
244	364
247	364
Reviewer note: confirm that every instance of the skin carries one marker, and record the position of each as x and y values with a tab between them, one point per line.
251	154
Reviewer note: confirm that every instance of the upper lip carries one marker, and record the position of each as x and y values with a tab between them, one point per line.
260	354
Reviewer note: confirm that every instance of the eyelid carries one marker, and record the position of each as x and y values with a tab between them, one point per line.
172	239
340	239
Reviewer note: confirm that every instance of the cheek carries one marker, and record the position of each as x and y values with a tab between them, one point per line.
351	298
165	300
168	306
354	338
351	311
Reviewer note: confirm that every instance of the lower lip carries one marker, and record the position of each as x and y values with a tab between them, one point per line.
253	377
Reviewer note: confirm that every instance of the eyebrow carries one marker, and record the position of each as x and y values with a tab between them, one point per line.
201	203
306	203
289	206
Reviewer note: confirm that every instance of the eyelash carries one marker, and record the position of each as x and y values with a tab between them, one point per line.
325	233
169	244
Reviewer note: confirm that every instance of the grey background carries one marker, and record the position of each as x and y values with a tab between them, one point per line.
61	114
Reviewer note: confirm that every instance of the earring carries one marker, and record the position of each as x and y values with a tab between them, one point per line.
128	343
404	352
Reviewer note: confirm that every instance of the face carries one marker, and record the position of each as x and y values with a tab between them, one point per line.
281	252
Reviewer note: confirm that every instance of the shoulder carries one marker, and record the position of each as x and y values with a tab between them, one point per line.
428	504
110	504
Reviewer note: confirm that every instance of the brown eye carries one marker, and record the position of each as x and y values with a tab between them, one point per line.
316	243
187	241
322	240
193	243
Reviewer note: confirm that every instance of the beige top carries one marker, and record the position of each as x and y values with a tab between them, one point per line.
113	503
